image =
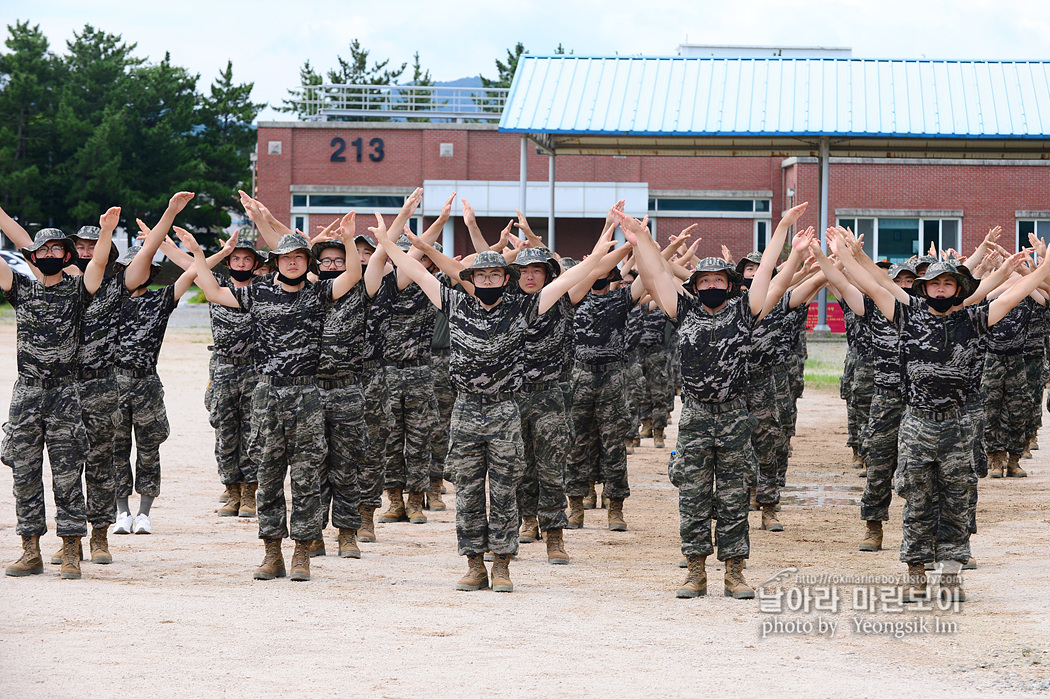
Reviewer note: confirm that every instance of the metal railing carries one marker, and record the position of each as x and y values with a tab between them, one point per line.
398	102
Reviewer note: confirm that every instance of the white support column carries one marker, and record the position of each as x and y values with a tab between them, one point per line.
550	191
822	302
448	238
523	176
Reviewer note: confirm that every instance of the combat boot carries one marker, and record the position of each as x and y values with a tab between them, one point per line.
233	501
414	509
769	519
348	544
915	590
30	563
301	562
950	584
575	513
477	577
1013	468
501	574
56	557
970	564
1033	443
996	463
873	538
616	521
367	532
530	530
100	546
647	428
658	437
555	547
316	548
590	500
1027	451
755	507
72	552
434	501
629	446
225	494
735	584
273	562
396	512
695	584
248	491
858	460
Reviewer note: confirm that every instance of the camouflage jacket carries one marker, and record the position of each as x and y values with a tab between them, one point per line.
343	335
287	325
143	322
410	328
548	343
49	319
231	328
100	325
885	346
714	348
600	326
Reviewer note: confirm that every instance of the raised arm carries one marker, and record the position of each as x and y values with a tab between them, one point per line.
849	293
779	284
998	308
760	282
213	291
253	210
651	264
979	252
883	297
342	284
565	281
413	268
138	271
477	239
96	268
533	240
14	231
446	264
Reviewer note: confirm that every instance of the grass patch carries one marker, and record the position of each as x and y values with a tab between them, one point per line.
824	364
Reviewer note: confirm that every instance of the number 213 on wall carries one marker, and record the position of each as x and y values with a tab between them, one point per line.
376	144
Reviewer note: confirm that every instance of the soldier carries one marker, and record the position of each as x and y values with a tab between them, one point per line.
45	407
657	394
487	328
712	468
287	418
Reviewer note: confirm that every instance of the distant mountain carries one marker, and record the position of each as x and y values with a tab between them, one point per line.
461	82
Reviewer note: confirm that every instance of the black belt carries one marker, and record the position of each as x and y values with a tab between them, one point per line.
87	374
537	386
235	361
485	398
724	407
47	383
372	364
329	384
883	391
407	363
137	373
1007	353
607	366
936	415
287	380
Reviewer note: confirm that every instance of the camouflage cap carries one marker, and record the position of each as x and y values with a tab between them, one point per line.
754	257
47	235
248	245
129	255
366	239
290	242
88	233
924	260
538	256
896	269
715	264
489	259
437	246
962	276
568	262
404	243
323	245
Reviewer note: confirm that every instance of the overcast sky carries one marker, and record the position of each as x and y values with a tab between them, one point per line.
268	40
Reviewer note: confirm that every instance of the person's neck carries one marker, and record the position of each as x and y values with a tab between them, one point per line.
52	279
241	285
714	311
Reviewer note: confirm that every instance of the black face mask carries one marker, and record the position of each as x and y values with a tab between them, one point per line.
911	291
329	273
242	275
943	305
713	298
489	295
746	283
290	281
50	265
82	263
600	284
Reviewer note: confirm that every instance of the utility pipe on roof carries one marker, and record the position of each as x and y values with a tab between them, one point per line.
550	214
523	175
822	302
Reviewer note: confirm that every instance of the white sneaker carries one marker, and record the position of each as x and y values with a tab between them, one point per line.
142	524
123	523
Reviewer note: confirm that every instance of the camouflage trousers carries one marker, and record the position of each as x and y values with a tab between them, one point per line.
413	411
1035	367
346	435
98	407
797	375
140	410
445	395
287	439
48	417
786	406
658	394
884	421
485	444
545	434
599	416
711	467
377	421
975	410
935	475
765	436
1007	403
634	390
858	404
229	403
674	368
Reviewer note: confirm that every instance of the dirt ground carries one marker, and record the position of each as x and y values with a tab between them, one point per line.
178	614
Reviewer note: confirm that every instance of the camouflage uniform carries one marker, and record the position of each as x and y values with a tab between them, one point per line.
377	417
861	386
140	394
230	387
794	354
288	430
445	395
599	408
1035	366
712	465
765	395
1007	398
635	380
45	409
658	394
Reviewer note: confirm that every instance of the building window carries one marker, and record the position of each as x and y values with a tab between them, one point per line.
761	234
700	207
1041	228
898	239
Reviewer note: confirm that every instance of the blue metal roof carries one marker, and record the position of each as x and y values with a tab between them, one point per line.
758	97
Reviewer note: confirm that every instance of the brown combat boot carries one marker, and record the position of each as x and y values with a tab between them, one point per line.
556	547
755	507
434	501
301	562
225	494
273	562
248	491
769	519
56	557
590	500
501	574
629	446
915	590
30	563
396	511
736	585
367	532
616	521
100	546
950	585
316	548
996	464
72	552
873	538
575	513
647	428
530	530
858	460
658	437
477	577
233	501
414	509
348	544
695	584
1013	468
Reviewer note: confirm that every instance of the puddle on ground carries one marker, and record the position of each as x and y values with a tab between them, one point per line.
820	495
